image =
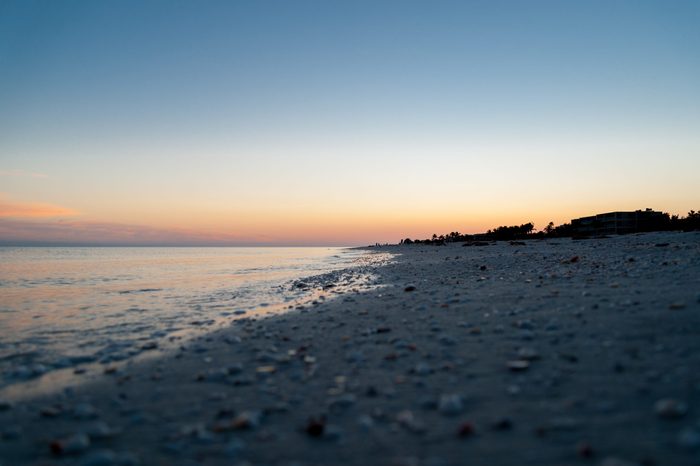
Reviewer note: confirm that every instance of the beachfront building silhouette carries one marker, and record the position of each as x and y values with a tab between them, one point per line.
619	223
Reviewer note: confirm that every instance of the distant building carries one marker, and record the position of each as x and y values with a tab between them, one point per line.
619	223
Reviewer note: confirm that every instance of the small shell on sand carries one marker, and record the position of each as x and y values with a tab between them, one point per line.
668	408
70	445
518	365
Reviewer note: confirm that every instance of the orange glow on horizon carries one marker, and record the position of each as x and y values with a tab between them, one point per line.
13	209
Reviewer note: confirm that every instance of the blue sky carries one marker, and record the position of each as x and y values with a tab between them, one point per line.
346	122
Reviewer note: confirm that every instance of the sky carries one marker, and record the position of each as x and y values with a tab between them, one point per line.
340	123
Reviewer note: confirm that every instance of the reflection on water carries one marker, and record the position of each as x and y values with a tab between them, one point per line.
65	306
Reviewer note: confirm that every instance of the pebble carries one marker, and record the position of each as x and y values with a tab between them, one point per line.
365	422
84	411
669	408
70	445
266	369
466	429
584	450
99	430
518	365
247	420
343	401
407	420
528	354
422	369
51	411
450	404
315	427
503	423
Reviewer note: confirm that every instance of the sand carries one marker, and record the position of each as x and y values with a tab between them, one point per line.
555	352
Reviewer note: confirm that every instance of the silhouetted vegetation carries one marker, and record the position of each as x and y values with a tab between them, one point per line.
666	222
688	223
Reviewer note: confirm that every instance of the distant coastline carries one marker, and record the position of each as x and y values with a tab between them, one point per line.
599	225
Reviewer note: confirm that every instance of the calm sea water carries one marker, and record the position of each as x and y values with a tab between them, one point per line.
60	307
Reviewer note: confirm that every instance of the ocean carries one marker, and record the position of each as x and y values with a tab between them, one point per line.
64	307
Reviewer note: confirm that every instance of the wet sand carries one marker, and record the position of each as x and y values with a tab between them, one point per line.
554	352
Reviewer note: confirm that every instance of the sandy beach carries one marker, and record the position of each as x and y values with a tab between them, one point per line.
543	352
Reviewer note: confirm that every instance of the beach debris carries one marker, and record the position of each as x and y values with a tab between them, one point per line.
568	357
266	370
28	372
408	421
51	411
383	329
483	267
99	430
661	245
503	423
450	404
342	401
316	426
528	354
365	422
247	420
151	345
5	405
518	365
243	421
74	444
221	374
584	449
410	288
466	429
668	408
422	368
84	411
678	305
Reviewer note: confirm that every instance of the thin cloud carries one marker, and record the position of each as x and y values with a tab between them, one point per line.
22	173
76	232
14	209
82	232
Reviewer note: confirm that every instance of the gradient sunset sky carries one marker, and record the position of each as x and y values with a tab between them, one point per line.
328	122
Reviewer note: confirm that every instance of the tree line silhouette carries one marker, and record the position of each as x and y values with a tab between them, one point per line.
527	231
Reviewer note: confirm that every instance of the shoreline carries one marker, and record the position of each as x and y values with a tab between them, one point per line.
300	293
507	354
